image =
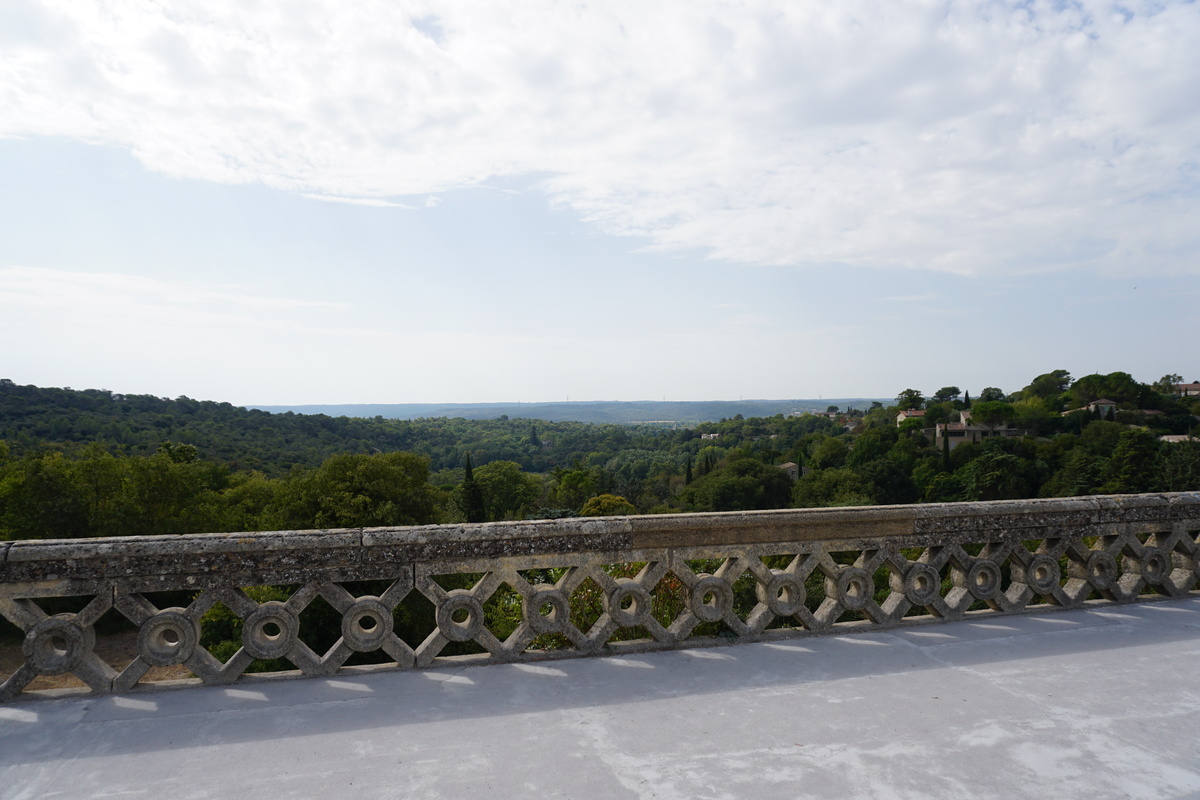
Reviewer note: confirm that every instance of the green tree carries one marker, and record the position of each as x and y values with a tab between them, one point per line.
831	452
469	496
1134	464
909	398
242	506
167	493
42	498
507	491
1166	384
1100	437
607	505
573	487
870	445
995	475
991	394
888	483
839	486
1049	386
1033	415
938	412
354	490
991	413
742	485
179	453
1120	387
947	394
1080	475
1178	467
943	487
708	458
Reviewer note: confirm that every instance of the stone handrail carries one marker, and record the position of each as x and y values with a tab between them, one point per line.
653	582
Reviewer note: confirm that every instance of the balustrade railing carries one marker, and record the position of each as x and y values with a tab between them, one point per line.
338	600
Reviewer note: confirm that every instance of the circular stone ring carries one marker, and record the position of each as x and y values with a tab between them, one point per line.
628	604
460	602
922	584
783	595
1043	573
271	631
168	638
854	588
1101	570
983	579
721	594
57	645
1155	564
367	624
555	620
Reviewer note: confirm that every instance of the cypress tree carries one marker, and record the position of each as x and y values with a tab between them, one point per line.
687	477
470	499
966	399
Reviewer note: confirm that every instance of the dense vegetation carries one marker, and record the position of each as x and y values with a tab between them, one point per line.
630	413
34	419
96	463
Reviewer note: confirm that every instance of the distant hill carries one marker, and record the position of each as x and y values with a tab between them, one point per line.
35	419
636	412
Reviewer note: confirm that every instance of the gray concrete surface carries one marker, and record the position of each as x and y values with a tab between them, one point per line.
1077	704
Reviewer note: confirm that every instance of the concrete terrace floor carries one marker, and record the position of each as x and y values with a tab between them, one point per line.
1097	703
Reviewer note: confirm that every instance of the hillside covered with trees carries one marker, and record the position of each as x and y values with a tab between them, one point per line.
598	411
97	463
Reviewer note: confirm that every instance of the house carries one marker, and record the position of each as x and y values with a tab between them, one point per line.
791	468
710	436
910	413
1105	406
957	433
1177	438
1187	389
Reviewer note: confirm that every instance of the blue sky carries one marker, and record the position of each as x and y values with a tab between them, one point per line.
433	202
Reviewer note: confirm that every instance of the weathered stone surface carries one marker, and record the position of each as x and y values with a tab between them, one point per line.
812	571
788	525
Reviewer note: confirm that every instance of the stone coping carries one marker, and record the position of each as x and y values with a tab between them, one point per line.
661	530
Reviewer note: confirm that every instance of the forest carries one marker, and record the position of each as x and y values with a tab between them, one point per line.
82	463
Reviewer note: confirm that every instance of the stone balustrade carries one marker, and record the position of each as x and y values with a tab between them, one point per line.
523	591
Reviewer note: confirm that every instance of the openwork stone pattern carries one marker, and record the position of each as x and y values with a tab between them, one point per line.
653	582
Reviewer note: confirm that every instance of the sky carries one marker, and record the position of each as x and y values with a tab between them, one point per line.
389	202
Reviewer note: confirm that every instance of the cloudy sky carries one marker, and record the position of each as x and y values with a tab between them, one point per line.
269	202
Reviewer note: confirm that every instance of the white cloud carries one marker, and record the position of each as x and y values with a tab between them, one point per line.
357	201
969	137
82	293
